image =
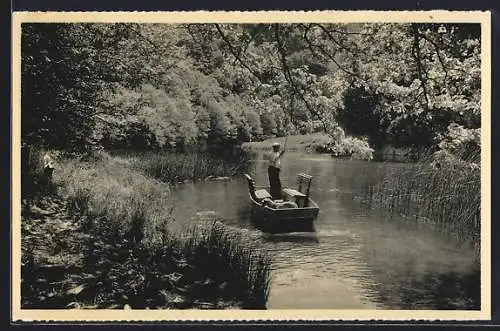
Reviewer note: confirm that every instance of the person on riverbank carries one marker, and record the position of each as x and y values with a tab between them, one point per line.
273	171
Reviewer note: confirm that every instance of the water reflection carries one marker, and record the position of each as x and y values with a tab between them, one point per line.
434	290
355	258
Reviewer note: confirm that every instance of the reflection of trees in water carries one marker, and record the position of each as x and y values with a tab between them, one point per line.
448	290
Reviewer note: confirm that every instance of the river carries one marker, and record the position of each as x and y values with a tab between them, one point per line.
356	258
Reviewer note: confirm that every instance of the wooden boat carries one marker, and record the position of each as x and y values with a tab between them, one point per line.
284	218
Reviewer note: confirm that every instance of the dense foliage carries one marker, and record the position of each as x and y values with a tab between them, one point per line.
217	85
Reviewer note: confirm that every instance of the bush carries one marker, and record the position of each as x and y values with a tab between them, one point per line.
352	147
345	147
460	146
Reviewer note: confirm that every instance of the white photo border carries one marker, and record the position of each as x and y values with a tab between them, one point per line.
320	16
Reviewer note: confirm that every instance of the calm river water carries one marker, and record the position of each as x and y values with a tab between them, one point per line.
356	258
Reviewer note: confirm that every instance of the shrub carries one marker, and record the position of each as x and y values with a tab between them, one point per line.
345	147
460	146
352	147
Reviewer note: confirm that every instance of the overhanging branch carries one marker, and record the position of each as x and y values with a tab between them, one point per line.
441	61
291	82
416	55
311	47
235	53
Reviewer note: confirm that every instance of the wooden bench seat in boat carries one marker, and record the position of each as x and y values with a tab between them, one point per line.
301	195
295	196
262	194
293	193
257	195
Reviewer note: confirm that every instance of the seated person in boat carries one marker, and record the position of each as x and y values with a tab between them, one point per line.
273	170
279	204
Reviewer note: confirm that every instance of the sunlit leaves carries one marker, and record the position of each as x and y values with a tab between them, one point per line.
227	83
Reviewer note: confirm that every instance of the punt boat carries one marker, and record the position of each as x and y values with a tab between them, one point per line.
281	216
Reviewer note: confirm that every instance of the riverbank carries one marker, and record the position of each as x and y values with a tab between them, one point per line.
107	239
322	143
447	197
296	143
343	146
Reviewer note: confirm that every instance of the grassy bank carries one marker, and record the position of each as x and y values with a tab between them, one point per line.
342	147
108	240
448	197
293	143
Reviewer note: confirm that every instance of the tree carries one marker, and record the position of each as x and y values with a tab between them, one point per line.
66	69
427	78
418	70
59	88
361	116
402	84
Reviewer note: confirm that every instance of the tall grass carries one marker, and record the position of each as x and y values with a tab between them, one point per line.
174	167
447	196
223	255
128	216
115	198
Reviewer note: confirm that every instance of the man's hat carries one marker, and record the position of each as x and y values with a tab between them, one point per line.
276	144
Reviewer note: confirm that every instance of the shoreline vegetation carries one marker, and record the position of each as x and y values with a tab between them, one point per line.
447	197
180	168
101	235
342	147
440	189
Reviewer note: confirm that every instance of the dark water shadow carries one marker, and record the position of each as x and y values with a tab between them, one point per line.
439	291
296	238
244	214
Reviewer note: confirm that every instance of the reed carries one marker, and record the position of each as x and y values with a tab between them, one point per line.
447	196
174	167
223	255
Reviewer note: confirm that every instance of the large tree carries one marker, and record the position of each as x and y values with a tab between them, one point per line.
405	83
423	77
67	69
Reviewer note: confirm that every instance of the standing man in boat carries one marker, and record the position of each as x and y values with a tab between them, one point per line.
273	171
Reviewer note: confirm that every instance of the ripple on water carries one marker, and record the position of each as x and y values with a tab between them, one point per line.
354	259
